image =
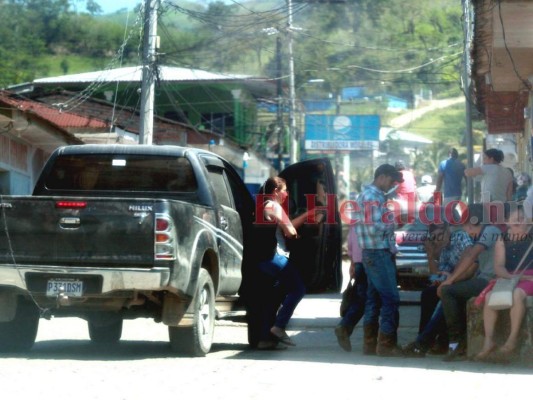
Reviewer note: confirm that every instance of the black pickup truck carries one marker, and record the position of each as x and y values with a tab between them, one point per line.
114	232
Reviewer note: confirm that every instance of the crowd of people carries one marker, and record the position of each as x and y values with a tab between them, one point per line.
469	254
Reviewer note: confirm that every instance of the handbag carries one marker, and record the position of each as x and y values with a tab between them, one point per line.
347	297
501	297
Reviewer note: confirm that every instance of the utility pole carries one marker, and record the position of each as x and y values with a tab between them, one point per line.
468	105
279	115
292	106
146	127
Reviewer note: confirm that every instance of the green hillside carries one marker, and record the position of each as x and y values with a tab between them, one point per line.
402	48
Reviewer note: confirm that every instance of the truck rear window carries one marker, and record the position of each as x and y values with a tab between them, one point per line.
112	172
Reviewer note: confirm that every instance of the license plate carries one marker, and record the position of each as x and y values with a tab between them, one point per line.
72	288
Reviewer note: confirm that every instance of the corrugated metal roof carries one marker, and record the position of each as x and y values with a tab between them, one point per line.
134	74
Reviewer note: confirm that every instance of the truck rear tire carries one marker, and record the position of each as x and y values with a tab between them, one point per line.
105	334
19	334
197	339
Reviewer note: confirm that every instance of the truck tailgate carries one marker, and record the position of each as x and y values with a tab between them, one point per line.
84	232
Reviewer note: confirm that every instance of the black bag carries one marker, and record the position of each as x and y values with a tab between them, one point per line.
347	297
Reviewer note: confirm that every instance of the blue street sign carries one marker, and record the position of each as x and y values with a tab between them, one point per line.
342	132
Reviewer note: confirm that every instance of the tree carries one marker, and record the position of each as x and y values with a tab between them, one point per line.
93	7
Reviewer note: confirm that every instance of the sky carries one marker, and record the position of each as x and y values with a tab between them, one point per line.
109	6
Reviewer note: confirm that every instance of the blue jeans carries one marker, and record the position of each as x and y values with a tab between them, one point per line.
356	309
383	298
293	289
274	266
432	328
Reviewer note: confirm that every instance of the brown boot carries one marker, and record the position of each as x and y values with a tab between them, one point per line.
370	339
388	345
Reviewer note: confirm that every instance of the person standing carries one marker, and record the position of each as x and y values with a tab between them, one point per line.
406	190
376	238
496	180
426	191
451	175
356	308
468	279
273	261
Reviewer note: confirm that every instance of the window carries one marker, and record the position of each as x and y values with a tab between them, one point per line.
220	188
122	172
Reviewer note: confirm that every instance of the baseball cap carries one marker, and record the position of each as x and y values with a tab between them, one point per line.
389	170
399	165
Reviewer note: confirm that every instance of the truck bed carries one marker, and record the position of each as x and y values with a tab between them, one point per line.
75	231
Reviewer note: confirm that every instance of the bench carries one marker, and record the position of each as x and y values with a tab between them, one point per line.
475	331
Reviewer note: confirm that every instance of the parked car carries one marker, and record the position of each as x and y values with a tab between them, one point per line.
411	259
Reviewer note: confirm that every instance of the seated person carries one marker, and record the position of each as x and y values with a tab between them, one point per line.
508	252
468	278
450	247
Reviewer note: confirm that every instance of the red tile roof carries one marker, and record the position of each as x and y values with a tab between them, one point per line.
94	116
59	118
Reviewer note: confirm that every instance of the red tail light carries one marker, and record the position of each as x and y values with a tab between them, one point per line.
71	204
161	224
165	238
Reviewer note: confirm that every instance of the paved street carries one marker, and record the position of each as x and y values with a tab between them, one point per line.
63	363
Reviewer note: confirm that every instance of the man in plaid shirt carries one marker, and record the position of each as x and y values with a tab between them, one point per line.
375	231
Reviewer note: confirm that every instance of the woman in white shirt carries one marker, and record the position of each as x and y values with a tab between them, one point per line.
496	180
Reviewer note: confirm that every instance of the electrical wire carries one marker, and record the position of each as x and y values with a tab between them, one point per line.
100	81
376	48
525	82
111	125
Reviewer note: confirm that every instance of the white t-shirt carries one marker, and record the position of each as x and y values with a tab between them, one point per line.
276	208
494	183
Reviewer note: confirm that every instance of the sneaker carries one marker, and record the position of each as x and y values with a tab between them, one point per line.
413	349
457	354
343	338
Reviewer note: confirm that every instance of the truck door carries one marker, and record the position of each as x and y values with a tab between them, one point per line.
317	252
229	231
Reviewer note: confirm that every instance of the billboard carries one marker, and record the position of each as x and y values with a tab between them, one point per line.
342	132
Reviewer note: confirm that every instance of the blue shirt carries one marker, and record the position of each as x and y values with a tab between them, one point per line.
453	172
375	223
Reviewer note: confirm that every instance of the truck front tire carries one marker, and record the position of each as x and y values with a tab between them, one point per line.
19	334
197	339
